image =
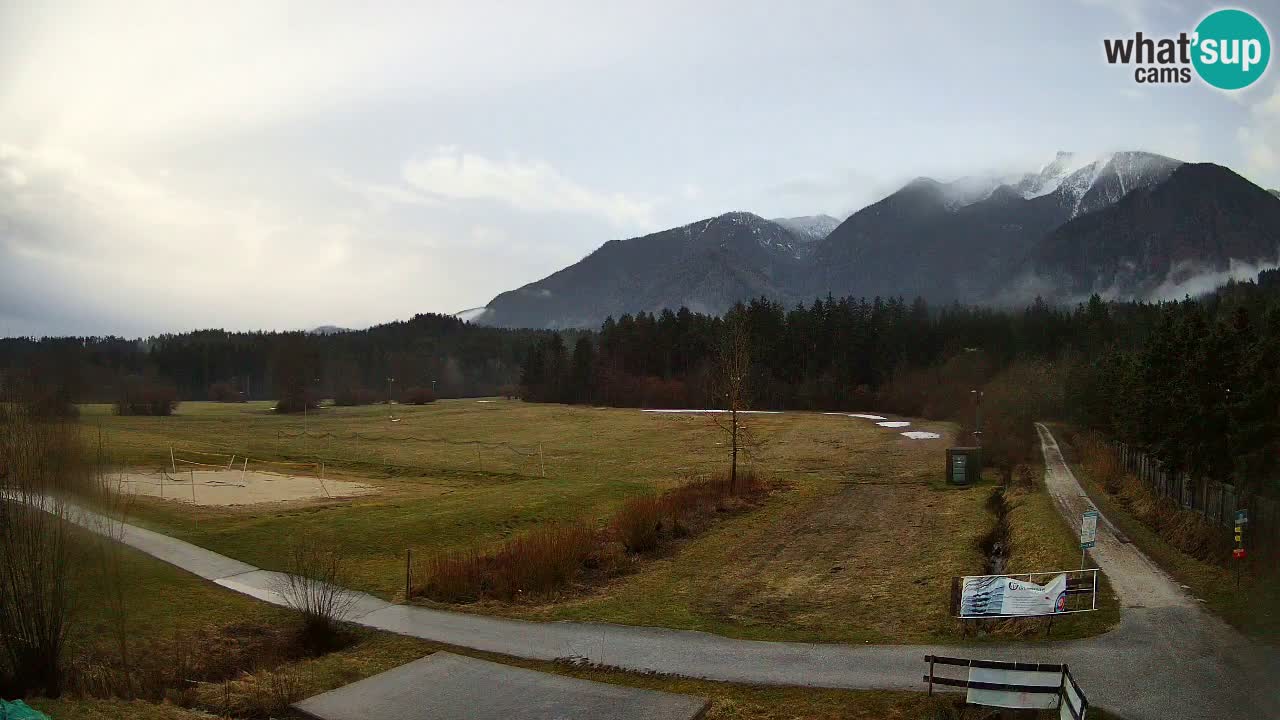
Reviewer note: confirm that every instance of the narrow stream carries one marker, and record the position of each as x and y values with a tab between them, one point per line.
995	545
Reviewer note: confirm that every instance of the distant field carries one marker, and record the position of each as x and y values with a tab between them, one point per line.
859	545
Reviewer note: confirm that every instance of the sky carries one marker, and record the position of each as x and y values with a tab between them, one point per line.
258	165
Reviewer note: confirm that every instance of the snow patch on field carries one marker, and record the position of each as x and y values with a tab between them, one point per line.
921	435
858	415
894	423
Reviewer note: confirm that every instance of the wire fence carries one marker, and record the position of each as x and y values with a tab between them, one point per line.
1215	502
387	437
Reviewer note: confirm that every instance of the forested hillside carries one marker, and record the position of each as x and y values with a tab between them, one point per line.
462	359
1195	382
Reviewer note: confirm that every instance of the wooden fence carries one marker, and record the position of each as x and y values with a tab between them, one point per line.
1214	501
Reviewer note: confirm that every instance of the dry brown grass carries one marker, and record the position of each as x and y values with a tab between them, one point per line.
638	523
534	564
547	560
174	668
1185	530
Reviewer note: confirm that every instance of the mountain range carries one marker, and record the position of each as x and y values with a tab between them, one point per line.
1125	225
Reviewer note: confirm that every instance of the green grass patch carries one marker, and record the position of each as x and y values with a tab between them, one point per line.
859	545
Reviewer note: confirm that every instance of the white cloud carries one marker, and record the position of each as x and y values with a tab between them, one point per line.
1260	141
529	185
1136	12
382	196
153	255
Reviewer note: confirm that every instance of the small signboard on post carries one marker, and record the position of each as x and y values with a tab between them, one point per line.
1089	529
1088	533
1242	519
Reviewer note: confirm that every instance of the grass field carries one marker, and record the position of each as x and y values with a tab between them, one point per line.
169	607
862	512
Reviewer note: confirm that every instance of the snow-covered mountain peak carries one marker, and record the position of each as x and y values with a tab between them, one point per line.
809	228
1051	176
1110	177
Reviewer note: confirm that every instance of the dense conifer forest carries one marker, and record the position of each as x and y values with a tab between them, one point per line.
1195	382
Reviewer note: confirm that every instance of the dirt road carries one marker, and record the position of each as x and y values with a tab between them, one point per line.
1138	582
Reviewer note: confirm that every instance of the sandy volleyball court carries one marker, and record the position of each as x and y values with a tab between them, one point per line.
234	487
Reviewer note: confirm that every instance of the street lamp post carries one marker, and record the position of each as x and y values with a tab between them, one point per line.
977	416
305	402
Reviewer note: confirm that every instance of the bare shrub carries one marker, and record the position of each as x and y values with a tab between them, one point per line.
418	396
351	396
547	559
541	560
41	461
1025	475
638	523
146	396
315	586
1101	462
454	576
226	392
297	401
534	564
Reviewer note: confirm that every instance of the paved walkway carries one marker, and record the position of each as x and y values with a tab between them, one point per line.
444	686
1167	659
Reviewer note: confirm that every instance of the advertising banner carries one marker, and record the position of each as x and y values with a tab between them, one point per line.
1001	595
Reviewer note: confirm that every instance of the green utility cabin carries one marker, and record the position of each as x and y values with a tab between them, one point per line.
964	465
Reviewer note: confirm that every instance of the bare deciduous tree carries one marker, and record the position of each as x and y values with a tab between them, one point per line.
733	389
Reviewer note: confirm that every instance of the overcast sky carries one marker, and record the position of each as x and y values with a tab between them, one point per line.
249	165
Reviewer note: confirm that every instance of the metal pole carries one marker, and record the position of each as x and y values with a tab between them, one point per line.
541	462
408	572
173	464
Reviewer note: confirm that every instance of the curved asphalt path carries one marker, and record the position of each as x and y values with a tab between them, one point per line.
1167	659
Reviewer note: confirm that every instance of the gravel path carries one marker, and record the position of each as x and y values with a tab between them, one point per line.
1167	659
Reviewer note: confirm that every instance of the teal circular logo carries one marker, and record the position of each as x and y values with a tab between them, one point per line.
1232	49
